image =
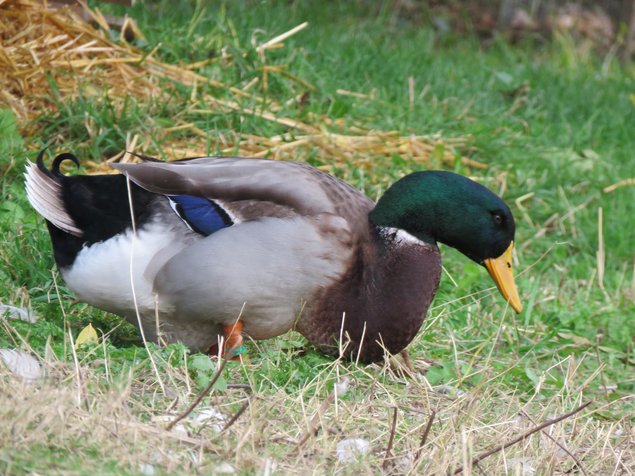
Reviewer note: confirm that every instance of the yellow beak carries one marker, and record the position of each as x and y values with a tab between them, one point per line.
500	269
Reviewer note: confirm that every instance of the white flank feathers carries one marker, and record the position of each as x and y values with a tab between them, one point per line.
110	261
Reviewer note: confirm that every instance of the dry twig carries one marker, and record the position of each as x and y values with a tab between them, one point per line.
203	394
316	418
424	435
501	447
391	440
561	446
237	415
621	183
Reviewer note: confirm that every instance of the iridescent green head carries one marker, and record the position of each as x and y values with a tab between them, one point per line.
452	209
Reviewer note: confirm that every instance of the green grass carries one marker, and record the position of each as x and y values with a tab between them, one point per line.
548	120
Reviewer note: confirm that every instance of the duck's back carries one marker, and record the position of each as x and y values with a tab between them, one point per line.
280	232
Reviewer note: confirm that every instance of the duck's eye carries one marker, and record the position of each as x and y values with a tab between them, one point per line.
498	218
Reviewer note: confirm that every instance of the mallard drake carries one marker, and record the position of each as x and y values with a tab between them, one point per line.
206	247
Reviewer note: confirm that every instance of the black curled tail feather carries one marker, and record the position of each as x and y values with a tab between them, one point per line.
57	161
55	172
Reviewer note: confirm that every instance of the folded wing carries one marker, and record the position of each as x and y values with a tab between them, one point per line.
253	188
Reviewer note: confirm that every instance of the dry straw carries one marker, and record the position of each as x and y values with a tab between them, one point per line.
41	47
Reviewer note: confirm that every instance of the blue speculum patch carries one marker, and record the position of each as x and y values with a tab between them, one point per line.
202	215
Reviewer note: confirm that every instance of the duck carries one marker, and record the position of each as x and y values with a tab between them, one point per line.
213	250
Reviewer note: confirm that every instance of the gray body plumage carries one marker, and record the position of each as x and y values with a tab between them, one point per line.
301	253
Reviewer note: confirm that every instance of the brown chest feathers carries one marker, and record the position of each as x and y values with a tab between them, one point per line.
382	299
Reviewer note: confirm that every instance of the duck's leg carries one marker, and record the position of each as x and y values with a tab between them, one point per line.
407	362
402	365
234	340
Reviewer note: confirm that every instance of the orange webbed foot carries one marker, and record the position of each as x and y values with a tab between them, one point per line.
232	343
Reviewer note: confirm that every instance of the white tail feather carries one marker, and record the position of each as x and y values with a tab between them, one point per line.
45	195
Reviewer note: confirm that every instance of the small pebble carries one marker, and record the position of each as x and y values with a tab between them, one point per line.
350	449
521	466
449	390
22	364
147	469
19	313
224	468
211	416
341	387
